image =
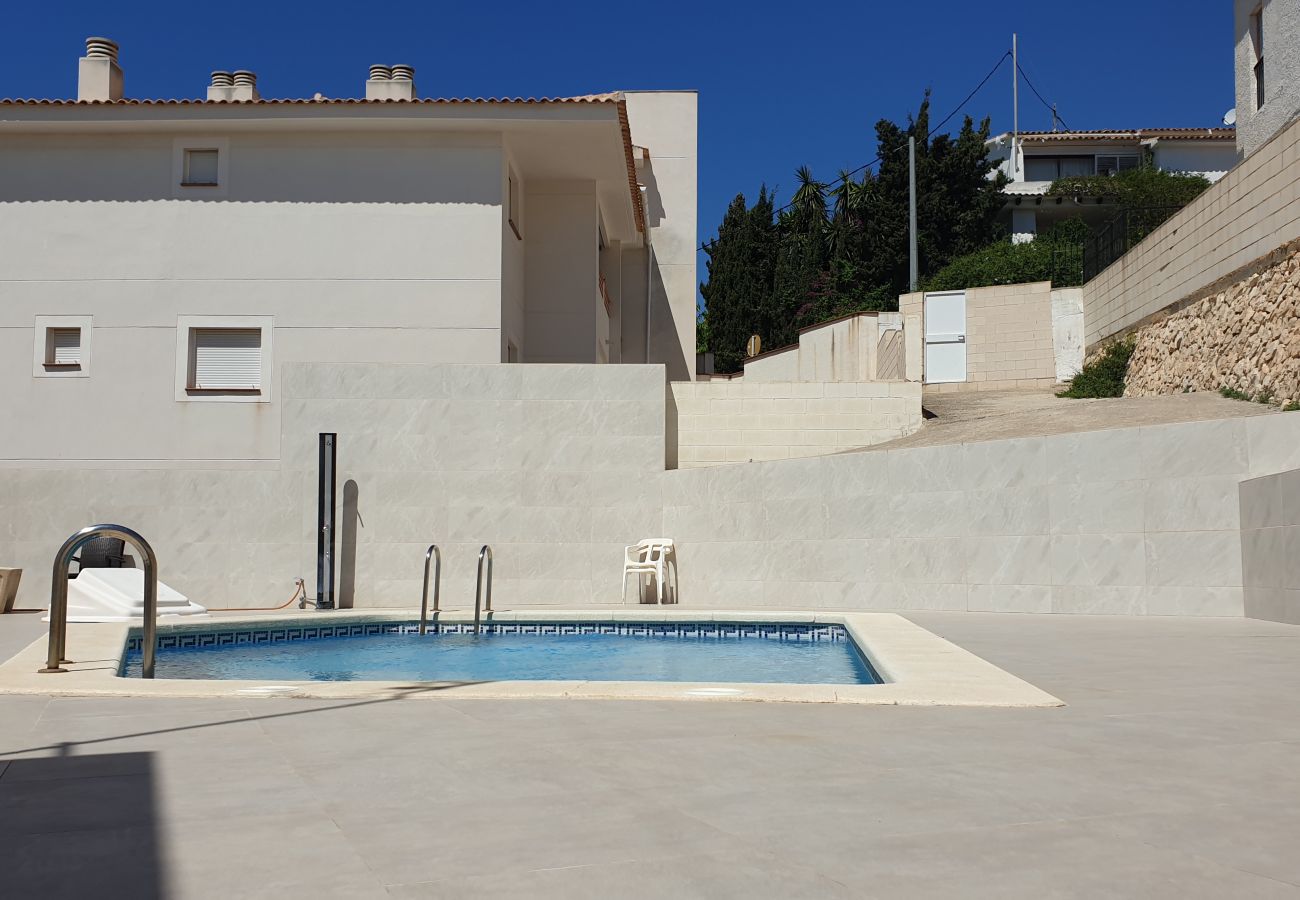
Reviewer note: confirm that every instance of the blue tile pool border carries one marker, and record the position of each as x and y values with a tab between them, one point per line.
192	639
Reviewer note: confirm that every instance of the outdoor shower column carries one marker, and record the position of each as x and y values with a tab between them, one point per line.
325	522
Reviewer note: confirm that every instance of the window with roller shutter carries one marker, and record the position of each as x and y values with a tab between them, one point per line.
63	347
226	359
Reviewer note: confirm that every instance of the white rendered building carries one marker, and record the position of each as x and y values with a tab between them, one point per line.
1032	160
163	259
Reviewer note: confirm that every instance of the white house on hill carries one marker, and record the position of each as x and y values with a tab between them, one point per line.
1032	160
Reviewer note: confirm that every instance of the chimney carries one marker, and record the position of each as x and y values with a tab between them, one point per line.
378	83
403	82
222	86
391	83
245	86
98	75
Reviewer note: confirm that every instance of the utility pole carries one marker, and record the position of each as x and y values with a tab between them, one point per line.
1053	117
911	212
1015	105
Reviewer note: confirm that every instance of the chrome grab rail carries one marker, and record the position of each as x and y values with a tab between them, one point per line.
59	596
486	552
436	554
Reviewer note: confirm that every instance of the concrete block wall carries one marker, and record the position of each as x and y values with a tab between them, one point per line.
737	421
1270	546
1136	521
1009	336
1009	333
1212	242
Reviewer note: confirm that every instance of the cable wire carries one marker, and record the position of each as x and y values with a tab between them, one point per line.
1050	108
847	175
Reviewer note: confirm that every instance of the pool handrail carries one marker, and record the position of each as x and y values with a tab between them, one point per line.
486	552
436	554
58	648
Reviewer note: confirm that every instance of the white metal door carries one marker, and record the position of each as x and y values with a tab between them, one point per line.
945	337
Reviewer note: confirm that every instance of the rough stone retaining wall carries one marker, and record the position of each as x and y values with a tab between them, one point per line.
1246	337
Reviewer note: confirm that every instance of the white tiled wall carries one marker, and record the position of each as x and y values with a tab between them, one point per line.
1126	521
1270	546
560	466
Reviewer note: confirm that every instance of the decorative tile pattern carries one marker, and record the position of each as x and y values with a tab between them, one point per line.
187	640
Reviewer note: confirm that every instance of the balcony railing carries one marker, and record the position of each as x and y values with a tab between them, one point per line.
1112	240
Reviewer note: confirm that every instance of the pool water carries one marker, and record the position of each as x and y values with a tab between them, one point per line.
780	654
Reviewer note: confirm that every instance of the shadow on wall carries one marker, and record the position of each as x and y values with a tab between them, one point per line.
348	545
81	826
654	202
665	346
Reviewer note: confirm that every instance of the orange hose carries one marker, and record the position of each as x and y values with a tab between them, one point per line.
300	588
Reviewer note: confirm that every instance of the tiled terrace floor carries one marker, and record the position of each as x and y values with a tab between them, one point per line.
1173	772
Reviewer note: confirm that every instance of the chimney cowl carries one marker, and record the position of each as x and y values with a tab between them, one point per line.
222	79
381	73
403	73
101	48
245	85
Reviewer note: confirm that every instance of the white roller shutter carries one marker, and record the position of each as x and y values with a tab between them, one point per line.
64	346
227	359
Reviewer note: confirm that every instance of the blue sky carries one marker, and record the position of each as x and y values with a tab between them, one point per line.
780	84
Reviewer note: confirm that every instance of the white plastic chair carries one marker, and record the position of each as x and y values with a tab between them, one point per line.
652	557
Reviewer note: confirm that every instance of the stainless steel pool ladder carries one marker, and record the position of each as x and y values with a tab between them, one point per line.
433	553
57	655
485	553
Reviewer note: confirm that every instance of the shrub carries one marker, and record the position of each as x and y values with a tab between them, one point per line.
1104	376
1056	255
1293	406
1233	394
1141	187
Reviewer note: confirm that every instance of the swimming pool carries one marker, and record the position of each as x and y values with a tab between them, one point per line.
717	652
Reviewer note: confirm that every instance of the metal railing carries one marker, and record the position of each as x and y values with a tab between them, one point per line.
1112	240
485	553
436	555
58	648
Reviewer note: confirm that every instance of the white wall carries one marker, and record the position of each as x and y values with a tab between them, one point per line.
1211	160
561	272
1270	546
1067	331
559	466
1127	521
1281	70
666	123
346	271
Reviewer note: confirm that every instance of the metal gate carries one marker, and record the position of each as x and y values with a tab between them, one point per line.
945	337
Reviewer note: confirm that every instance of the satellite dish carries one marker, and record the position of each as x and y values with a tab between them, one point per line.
1230	117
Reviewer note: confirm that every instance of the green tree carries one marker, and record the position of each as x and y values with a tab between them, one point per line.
741	264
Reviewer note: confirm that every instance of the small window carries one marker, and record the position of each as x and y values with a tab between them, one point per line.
63	348
1110	164
512	199
200	168
226	360
1257	38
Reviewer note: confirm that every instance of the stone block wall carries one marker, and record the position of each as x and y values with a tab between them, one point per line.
738	421
1246	337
